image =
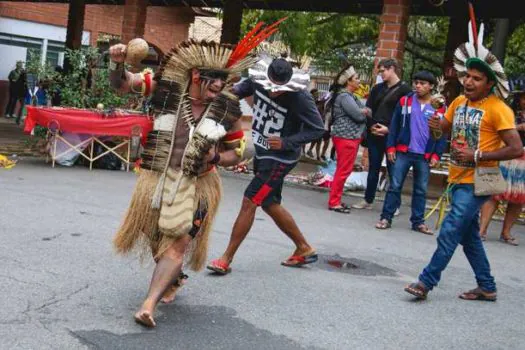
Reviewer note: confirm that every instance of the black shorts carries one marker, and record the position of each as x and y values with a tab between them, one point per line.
267	185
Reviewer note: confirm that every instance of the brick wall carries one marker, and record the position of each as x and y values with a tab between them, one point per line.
165	26
393	29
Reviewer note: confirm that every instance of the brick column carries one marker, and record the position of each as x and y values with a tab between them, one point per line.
134	21
393	30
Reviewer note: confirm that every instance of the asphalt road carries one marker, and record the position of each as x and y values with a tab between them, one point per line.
63	287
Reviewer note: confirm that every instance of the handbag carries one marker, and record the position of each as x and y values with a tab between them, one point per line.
488	181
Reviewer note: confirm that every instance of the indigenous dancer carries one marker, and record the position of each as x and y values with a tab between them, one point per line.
480	122
196	128
285	118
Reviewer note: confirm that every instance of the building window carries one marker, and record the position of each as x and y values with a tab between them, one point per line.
31	44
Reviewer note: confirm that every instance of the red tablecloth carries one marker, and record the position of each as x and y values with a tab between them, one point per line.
82	121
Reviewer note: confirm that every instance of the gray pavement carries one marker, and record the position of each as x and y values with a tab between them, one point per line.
64	288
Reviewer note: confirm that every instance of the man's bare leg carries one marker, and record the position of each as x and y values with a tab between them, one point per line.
167	270
487	211
284	220
318	149
326	143
512	214
242	226
171	292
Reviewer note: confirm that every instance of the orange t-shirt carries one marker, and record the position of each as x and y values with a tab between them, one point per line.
478	129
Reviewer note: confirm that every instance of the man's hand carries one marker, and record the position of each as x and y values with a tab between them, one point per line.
210	155
379	129
117	53
275	143
464	154
391	157
433	162
367	112
434	123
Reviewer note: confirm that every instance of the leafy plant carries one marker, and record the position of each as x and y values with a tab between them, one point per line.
86	84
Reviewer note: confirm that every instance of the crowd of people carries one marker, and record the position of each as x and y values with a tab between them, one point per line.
22	91
405	123
394	122
197	128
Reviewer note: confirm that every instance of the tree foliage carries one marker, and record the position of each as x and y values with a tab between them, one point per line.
329	39
332	39
84	86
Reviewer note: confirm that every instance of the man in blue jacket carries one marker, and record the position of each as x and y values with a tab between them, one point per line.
409	144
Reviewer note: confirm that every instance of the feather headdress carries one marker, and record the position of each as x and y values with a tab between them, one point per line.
214	59
474	53
344	75
299	80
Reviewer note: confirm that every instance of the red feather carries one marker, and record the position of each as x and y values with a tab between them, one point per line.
252	40
474	25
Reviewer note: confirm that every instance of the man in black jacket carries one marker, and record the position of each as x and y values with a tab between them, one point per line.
382	101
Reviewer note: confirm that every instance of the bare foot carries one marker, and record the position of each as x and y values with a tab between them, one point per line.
145	318
304	251
169	294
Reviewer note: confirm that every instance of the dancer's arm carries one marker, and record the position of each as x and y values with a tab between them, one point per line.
234	144
124	81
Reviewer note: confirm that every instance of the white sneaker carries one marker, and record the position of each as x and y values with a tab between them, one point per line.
396	213
362	205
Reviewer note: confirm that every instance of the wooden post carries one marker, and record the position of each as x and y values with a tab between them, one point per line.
501	36
457	35
75	27
231	22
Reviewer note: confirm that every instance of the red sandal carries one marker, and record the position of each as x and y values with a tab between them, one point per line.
300	260
219	267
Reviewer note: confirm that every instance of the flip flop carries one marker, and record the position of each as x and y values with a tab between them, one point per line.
300	260
422	228
219	267
418	290
383	224
478	294
342	209
510	240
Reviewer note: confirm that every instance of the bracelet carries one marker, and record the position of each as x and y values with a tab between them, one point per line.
216	159
478	154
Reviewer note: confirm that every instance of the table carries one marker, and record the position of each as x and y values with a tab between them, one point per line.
92	122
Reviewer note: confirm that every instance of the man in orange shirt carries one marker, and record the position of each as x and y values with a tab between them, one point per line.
482	133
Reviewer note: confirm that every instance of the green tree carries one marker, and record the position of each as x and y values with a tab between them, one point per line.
329	39
332	39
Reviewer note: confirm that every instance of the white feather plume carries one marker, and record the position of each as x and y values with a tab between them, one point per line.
211	129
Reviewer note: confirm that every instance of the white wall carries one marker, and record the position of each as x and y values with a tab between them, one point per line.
37	30
42	32
8	57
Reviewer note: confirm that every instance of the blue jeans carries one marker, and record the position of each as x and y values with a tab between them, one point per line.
421	171
461	226
376	152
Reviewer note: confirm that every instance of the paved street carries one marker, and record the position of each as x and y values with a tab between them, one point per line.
63	287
